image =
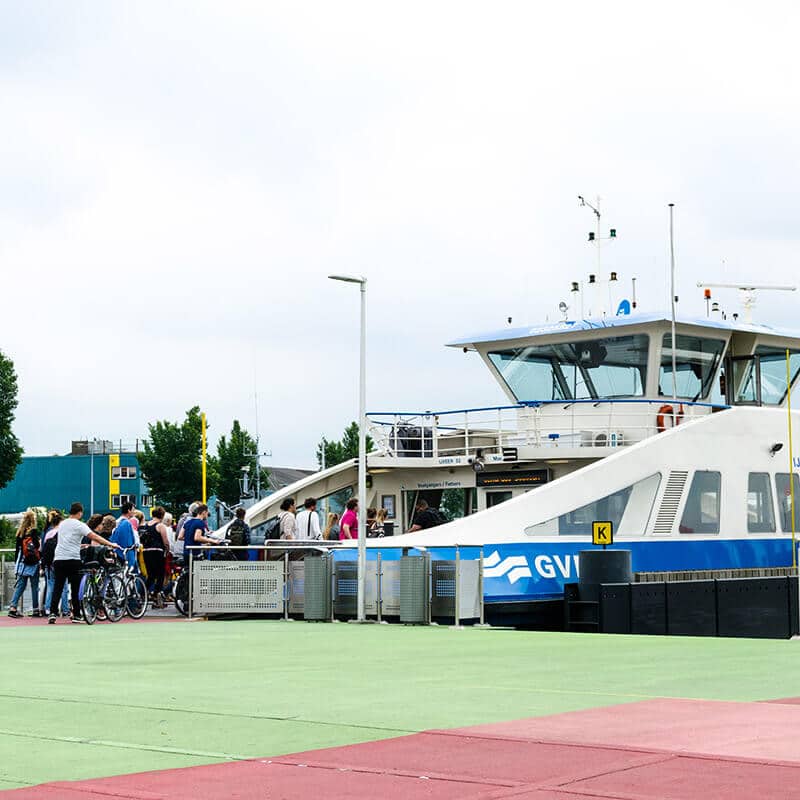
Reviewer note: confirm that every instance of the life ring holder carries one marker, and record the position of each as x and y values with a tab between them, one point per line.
668	412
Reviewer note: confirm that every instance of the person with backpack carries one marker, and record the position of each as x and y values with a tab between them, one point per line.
26	560
49	542
155	541
308	521
426	517
238	535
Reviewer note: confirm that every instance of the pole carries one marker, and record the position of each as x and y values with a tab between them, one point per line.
203	440
791	456
672	306
362	460
91	478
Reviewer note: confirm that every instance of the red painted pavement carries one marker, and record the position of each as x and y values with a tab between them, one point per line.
25	622
659	749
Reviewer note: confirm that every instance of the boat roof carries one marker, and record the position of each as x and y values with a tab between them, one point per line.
572	326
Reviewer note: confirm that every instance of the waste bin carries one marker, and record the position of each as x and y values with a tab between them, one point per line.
414	588
317	587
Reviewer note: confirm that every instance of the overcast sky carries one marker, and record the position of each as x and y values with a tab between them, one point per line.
177	179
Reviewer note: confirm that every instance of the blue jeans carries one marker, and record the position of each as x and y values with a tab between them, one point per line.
19	588
50	577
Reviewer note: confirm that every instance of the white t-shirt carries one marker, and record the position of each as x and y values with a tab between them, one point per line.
70	533
308	525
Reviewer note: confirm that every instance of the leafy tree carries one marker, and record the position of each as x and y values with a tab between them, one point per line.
230	460
171	462
343	450
10	450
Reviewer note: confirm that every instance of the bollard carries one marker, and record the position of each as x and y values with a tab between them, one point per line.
286	586
457	609
378	578
191	580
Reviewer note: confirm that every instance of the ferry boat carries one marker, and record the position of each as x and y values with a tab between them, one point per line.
691	467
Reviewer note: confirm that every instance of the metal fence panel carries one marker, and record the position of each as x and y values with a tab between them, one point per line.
297	591
251	587
390	588
346	588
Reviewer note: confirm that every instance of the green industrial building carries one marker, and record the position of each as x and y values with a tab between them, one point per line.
100	474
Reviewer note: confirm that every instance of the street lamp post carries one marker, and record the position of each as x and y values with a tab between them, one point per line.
362	446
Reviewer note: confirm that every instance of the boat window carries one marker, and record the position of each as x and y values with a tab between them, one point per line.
596	368
628	510
760	513
785	500
696	361
701	512
773	373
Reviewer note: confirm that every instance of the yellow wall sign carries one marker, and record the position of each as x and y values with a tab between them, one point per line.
603	533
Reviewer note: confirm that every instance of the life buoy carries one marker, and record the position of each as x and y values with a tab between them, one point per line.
667	412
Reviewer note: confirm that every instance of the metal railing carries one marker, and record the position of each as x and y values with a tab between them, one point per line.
543	424
3	561
457	581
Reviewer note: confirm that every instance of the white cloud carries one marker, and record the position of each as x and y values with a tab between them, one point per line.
178	179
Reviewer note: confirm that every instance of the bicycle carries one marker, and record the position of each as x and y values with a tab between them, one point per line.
101	591
135	589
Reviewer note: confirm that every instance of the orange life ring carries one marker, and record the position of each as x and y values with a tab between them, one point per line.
668	412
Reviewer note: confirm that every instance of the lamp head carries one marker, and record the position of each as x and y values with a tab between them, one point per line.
349	278
776	448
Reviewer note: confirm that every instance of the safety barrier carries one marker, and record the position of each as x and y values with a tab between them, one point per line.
318	582
7	578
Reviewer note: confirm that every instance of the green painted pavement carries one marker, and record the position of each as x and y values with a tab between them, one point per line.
78	702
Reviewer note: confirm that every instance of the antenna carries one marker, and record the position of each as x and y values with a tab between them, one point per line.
747	294
672	306
595	238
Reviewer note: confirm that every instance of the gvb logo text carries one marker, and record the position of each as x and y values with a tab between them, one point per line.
516	567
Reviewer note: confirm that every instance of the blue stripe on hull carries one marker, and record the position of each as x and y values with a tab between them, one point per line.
539	570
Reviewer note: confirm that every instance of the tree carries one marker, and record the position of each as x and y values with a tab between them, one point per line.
230	460
172	462
343	450
10	450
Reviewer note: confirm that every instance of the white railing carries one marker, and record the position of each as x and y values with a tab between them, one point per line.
549	424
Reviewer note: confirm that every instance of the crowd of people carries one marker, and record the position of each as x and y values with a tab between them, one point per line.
50	562
56	555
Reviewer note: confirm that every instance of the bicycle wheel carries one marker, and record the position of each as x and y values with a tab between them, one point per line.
181	593
113	598
89	599
137	599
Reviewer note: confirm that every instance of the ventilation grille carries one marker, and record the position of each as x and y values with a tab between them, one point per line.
670	502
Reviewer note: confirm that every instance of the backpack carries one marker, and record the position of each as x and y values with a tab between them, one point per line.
48	551
273	528
151	538
30	549
236	532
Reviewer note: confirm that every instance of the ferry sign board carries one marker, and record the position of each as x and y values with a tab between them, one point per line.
528	477
603	533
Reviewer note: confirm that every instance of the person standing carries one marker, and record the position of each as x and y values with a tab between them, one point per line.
308	521
238	535
348	527
155	541
49	542
26	564
331	532
67	560
195	530
426	517
288	523
124	534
